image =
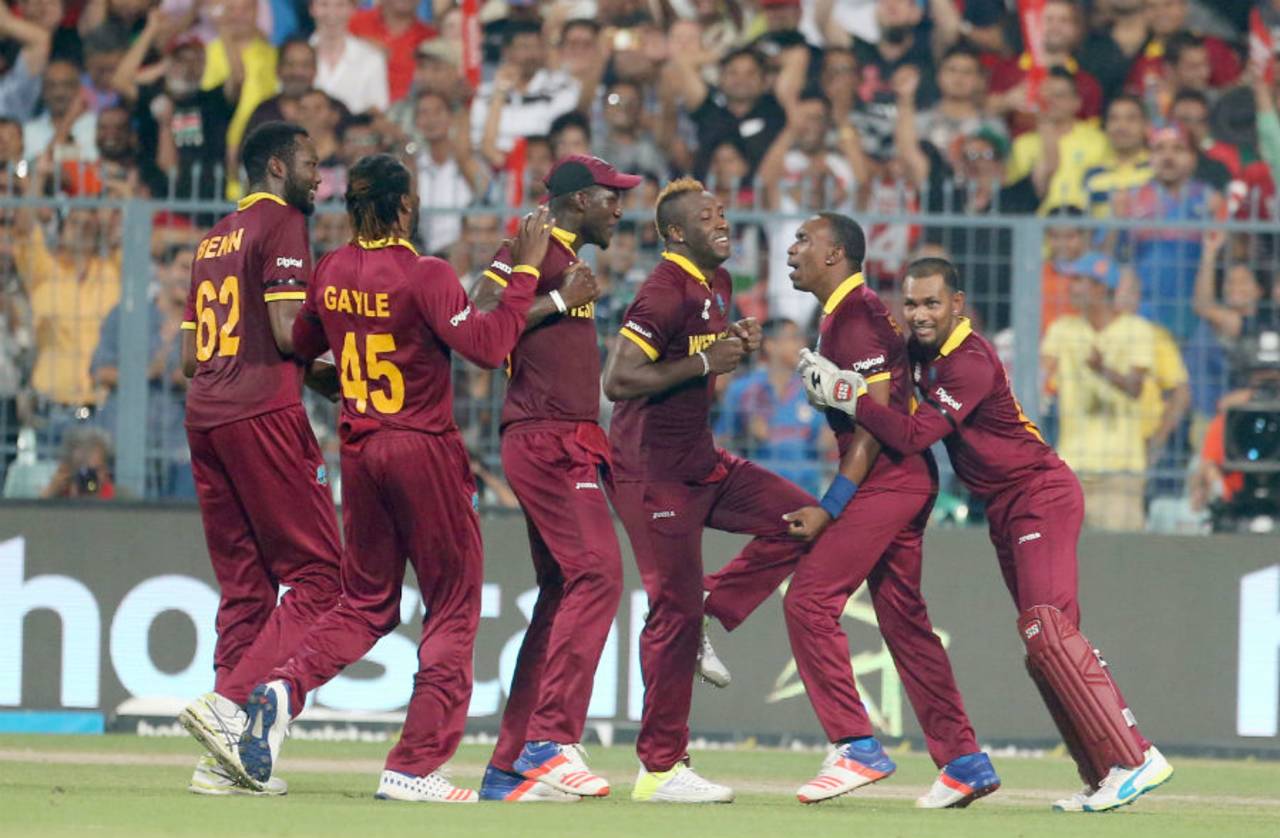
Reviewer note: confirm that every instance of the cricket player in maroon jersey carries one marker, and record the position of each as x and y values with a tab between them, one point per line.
259	475
392	320
1034	509
553	451
670	481
869	527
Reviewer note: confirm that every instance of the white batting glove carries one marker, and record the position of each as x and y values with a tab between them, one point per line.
828	386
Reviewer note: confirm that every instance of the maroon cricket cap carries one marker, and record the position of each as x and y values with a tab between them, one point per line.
578	171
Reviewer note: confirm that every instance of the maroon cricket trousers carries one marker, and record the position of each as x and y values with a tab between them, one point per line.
268	521
1035	528
554	468
405	494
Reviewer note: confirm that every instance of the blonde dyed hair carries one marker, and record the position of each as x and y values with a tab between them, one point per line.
673	190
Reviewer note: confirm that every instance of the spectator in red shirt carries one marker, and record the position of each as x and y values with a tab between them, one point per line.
1010	93
1167	18
394	24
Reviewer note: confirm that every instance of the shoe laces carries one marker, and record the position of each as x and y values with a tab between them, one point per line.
686	777
576	754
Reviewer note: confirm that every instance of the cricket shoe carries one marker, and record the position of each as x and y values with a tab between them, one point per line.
212	779
508	787
563	767
433	788
264	730
679	784
710	668
1123	785
217	723
849	766
962	781
1074	803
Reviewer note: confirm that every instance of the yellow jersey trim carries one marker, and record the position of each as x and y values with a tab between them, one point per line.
276	296
527	269
254	197
880	376
189	325
957	336
389	241
843	290
494	276
648	350
565	238
689	268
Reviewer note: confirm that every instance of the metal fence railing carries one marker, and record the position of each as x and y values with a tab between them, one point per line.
91	292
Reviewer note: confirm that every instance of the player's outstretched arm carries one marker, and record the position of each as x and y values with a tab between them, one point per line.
808	522
904	434
631	373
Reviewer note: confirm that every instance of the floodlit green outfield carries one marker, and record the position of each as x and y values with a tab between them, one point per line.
129	786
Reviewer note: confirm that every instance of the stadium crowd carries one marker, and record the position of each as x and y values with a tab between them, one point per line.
918	115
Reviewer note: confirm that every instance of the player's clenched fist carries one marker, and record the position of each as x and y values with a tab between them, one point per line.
826	385
807	522
749	330
532	238
579	286
724	355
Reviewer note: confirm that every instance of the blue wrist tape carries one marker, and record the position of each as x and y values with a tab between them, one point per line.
838	495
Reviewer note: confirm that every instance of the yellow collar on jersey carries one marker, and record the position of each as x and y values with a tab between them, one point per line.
254	197
689	268
957	336
842	290
565	238
390	241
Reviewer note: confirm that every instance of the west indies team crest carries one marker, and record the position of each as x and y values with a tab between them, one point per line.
720	302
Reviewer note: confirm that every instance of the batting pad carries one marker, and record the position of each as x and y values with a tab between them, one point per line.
1069	670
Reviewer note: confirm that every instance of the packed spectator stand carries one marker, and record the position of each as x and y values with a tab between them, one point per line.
1102	172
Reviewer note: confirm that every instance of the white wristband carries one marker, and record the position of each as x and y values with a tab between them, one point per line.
559	301
706	365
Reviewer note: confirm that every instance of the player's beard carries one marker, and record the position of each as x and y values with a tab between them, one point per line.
298	194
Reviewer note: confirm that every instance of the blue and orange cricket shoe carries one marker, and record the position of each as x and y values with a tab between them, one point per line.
563	767
962	781
848	766
507	787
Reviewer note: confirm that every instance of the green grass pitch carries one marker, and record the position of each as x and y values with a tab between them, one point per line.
131	787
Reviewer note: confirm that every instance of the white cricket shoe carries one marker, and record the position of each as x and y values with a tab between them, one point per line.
562	767
680	784
210	778
265	729
216	723
847	767
1123	785
1074	803
710	668
433	788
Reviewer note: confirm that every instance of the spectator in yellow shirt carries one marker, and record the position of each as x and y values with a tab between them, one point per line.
1126	164
72	287
1099	361
1071	146
241	52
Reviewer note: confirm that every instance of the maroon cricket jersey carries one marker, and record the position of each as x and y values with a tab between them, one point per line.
257	254
966	401
555	368
858	333
676	313
392	318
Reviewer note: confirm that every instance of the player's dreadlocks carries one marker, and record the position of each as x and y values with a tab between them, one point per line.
376	187
663	215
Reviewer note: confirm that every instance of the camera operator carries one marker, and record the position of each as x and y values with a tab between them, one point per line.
1214	485
84	470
